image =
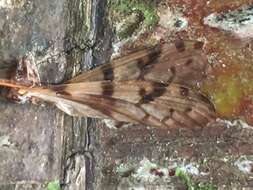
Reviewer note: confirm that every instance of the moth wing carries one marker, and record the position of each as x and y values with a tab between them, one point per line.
65	102
140	102
119	69
140	88
181	62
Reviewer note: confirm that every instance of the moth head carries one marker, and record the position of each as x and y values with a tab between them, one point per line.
15	95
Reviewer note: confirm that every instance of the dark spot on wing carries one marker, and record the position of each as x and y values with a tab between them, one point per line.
146	117
108	73
188	62
188	109
144	64
63	93
142	92
60	90
180	45
198	45
207	101
158	90
107	89
173	70
140	63
151	56
171	111
184	91
154	53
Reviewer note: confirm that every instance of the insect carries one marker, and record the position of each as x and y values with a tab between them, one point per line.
152	86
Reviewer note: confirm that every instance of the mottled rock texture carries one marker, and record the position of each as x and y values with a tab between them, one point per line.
60	38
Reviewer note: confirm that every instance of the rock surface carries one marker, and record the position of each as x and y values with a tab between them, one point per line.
39	144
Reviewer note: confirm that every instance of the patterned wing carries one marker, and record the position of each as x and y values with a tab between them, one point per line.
139	88
141	102
181	62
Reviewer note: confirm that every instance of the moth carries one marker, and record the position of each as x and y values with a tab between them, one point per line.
151	86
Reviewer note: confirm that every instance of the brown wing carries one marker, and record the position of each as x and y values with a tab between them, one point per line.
139	88
141	102
181	62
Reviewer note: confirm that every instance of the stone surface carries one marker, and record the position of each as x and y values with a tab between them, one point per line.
40	144
213	151
30	135
30	143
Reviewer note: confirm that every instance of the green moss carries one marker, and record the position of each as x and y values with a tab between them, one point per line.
146	7
230	89
130	26
229	95
192	185
54	185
